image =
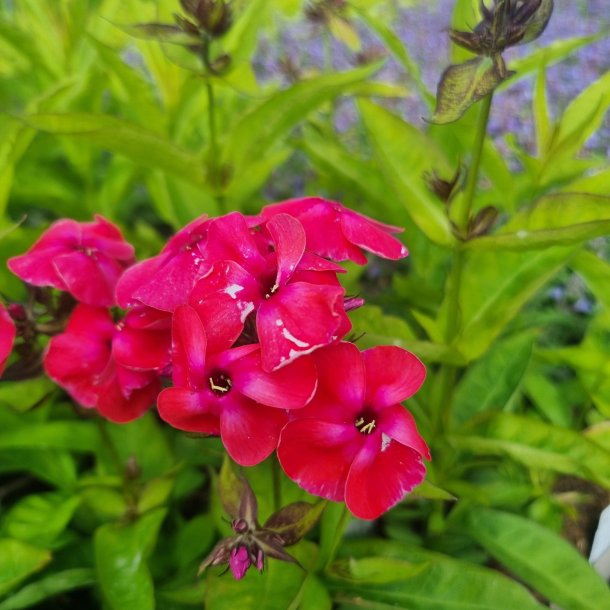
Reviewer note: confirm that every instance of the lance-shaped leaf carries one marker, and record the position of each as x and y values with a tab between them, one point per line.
162	32
555	220
540	558
537	445
292	522
464	84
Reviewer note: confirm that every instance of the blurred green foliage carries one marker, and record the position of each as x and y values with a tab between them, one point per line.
95	120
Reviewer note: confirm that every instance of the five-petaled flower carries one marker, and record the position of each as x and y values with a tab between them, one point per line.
354	442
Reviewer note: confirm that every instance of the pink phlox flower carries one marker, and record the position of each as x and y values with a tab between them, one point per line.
338	233
229	393
354	442
85	259
82	360
7	336
295	295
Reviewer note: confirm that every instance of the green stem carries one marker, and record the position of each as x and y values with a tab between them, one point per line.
276	473
333	529
213	166
463	207
109	444
461	217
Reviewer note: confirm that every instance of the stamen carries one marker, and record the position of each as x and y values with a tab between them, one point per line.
364	426
220	383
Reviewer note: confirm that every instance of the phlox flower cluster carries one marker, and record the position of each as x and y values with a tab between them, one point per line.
238	328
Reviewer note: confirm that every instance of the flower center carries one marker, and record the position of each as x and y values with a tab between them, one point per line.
220	383
365	423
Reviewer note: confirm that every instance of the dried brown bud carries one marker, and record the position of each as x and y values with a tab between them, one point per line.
445	190
505	24
482	223
214	17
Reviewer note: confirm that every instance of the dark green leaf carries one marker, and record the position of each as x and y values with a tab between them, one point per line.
398	147
537	445
464	84
17	561
142	146
40	519
430	581
258	130
49	586
121	553
72	435
541	558
491	381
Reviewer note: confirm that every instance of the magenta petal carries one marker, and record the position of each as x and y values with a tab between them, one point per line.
142	349
249	431
317	455
289	240
223	299
229	238
393	375
297	320
184	409
188	348
134	278
371	236
36	267
120	405
172	283
239	562
341	384
290	387
397	423
380	476
84	281
7	336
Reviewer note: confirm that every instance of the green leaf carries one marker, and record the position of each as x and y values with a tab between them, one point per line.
462	85
543	57
194	539
549	398
47	587
18	560
431	492
258	130
556	220
494	287
375	570
394	44
141	145
540	558
40	518
596	273
72	435
491	381
293	521
431	581
536	444
143	440
398	147
581	119
121	553
51	465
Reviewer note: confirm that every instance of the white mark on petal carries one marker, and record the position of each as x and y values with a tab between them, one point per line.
290	337
246	307
232	290
385	441
278	322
